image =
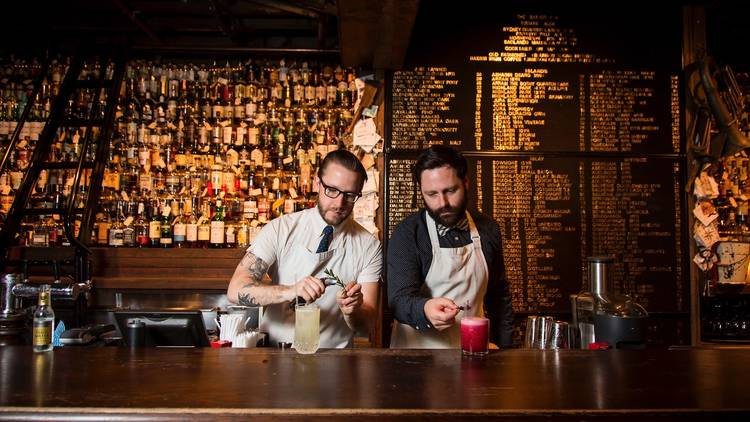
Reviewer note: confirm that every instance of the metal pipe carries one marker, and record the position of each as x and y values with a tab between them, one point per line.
215	49
59	291
598	277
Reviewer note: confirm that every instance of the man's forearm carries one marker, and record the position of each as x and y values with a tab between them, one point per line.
262	295
248	288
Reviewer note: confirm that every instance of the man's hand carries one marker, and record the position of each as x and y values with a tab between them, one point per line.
350	298
309	288
441	312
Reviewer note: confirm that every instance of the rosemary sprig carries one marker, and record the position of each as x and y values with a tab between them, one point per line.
334	277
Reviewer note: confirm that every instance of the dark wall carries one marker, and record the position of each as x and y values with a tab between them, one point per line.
575	144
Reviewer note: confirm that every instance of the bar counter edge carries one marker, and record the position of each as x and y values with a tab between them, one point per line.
110	383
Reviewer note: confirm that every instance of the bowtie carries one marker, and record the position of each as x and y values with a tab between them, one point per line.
463	224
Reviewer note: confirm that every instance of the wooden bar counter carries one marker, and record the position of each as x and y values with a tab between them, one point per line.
110	383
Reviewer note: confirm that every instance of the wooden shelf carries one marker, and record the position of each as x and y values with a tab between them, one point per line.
150	268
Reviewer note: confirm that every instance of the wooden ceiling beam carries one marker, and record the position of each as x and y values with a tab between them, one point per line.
287	7
134	18
375	34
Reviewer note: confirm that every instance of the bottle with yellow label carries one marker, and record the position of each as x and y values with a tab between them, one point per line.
44	319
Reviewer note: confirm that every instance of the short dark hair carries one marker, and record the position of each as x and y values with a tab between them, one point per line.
439	156
347	160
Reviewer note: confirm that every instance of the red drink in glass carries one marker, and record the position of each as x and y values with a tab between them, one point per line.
474	336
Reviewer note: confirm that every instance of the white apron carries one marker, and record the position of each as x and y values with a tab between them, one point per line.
278	320
459	274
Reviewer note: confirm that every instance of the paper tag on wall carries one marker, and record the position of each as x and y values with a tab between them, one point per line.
371	111
705	212
706	186
367	161
365	134
371	184
703	263
706	236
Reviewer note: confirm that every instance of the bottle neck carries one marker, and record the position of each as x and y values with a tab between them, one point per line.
44	296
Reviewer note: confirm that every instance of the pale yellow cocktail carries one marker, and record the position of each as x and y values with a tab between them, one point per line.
306	328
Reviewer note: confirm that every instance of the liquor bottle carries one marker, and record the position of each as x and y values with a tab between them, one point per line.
56	226
204	231
172	101
298	90
103	223
116	230
128	232
243	232
154	226
230	238
331	87
217	227
147	109
141	227
40	236
179	228
191	226
291	200
264	208
165	236
239	103
44	320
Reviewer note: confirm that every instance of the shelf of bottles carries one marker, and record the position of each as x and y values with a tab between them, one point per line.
16	89
732	178
723	245
201	156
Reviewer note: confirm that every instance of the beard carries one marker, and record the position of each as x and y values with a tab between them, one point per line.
334	216
448	216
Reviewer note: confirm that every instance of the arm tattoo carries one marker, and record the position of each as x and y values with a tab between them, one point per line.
246	300
255	266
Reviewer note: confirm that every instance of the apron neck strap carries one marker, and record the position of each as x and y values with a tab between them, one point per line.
432	230
474	232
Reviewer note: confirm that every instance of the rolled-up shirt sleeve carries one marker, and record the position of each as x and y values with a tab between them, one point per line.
405	276
373	263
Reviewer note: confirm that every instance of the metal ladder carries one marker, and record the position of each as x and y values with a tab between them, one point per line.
104	120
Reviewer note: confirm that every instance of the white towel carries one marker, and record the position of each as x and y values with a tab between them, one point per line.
246	339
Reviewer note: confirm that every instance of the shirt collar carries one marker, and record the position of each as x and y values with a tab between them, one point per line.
318	224
317	221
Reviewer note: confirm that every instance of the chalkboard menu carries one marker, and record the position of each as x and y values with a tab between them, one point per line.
570	120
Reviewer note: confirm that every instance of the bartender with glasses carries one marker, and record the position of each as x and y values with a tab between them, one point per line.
294	251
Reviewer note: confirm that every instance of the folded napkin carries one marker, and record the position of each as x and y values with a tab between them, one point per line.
57	333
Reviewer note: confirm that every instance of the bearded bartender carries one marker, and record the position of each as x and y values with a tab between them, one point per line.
445	263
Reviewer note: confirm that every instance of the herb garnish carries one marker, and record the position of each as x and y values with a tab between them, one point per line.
334	277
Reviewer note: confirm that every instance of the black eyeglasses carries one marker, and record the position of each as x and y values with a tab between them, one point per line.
333	193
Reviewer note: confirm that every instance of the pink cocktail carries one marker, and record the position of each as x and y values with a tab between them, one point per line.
474	336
